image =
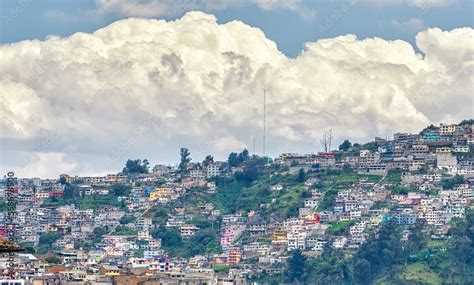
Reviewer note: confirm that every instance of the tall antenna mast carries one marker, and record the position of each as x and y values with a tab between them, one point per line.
264	119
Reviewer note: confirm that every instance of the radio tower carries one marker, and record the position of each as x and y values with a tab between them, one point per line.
264	121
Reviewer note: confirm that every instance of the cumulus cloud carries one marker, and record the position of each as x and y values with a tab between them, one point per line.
142	88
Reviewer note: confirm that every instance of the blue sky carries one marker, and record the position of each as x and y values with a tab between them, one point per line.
289	23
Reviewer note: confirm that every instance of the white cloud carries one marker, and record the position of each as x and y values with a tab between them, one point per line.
144	88
412	25
42	164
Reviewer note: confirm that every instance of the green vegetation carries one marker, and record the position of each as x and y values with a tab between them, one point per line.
339	178
394	176
221	268
185	159
120	189
124	231
204	241
345	145
136	166
401	190
450	183
340	227
237	159
386	259
301	175
46	241
371	146
250	189
419	273
127	220
159	214
328	200
286	204
97	201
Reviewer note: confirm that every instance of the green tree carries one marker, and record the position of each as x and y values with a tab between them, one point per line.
301	175
49	237
169	237
121	189
243	156
136	166
126	220
382	251
362	271
296	263
233	159
208	160
345	146
71	192
253	169
185	159
450	183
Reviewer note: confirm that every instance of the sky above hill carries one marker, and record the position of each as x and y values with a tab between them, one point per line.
85	85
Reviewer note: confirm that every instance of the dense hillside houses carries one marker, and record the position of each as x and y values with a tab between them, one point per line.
241	220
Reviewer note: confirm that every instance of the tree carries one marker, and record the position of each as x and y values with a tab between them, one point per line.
169	237
136	166
49	238
243	156
362	271
416	239
451	182
347	168
345	146
382	251
185	159
121	189
208	160
70	192
296	263
253	168
326	141
233	159
462	250
127	220
99	231
237	159
301	175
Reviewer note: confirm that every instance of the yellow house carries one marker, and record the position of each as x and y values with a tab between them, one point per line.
116	177
109	270
96	180
279	236
443	150
160	193
446	129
